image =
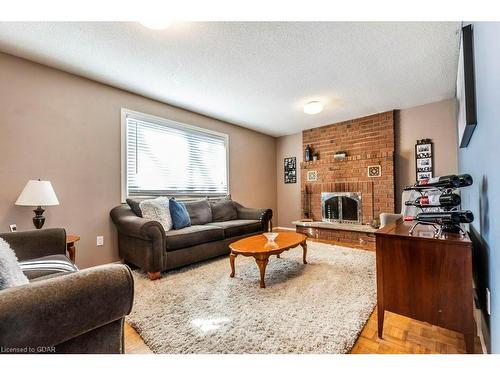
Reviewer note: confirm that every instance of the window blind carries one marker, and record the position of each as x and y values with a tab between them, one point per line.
167	158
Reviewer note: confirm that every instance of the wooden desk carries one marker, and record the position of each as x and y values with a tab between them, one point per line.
70	245
425	278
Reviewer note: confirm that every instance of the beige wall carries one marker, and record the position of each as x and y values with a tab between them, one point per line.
66	129
288	195
435	121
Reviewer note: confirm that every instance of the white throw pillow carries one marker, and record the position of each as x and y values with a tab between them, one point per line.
10	272
157	209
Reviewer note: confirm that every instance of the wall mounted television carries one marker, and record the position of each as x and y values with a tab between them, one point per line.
466	88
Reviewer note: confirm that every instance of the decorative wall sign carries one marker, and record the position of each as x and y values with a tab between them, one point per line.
312	175
374	171
423	159
290	165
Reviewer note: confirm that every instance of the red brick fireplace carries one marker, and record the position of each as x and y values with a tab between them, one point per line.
367	141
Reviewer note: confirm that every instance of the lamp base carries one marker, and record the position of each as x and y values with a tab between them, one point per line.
39	219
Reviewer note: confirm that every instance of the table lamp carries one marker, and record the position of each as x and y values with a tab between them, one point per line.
38	193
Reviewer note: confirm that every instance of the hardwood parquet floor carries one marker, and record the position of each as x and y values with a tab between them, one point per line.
402	335
134	344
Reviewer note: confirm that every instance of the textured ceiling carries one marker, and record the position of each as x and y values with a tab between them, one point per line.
256	74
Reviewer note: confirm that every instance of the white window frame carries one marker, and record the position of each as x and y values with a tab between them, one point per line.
166	122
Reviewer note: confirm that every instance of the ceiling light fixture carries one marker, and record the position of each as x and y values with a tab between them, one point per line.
156	24
313	108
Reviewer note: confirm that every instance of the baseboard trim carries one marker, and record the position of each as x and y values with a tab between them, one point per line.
285	228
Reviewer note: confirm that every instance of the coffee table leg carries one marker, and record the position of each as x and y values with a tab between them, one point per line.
304	246
262	263
231	261
278	256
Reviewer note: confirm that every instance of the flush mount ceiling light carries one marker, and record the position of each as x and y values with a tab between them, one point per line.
313	108
156	24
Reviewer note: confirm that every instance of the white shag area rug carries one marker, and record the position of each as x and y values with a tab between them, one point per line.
319	307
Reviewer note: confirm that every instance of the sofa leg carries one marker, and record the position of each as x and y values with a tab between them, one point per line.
154	275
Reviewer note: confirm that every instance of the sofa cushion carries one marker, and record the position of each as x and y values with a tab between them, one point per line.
199	211
179	214
234	228
10	272
193	235
223	210
134	205
159	210
51	264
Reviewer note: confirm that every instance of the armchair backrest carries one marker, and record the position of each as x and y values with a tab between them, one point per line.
36	243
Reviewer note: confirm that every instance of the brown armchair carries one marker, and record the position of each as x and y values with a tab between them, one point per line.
61	311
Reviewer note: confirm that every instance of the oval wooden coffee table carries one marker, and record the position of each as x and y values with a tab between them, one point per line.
259	248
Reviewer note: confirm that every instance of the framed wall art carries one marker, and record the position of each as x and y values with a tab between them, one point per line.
374	171
424	164
290	165
312	176
466	88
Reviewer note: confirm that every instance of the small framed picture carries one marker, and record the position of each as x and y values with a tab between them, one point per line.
290	165
423	175
312	175
424	165
423	148
374	171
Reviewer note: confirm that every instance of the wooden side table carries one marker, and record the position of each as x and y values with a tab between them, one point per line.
70	245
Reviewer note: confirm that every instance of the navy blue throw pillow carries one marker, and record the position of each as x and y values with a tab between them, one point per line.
179	214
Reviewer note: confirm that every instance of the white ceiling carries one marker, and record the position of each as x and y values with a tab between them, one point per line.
255	74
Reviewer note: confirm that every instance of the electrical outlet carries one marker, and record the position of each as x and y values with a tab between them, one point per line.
13	227
100	240
488	301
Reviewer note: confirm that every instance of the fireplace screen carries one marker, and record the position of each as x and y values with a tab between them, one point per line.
342	207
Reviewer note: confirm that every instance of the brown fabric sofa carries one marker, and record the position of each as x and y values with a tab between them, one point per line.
65	310
145	244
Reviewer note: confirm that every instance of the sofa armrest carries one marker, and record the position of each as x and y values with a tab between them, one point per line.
254	213
132	225
263	214
37	243
387	218
52	311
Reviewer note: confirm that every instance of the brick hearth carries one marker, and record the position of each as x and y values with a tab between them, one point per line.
352	235
348	238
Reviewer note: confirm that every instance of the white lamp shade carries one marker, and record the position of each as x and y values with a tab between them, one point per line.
37	193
